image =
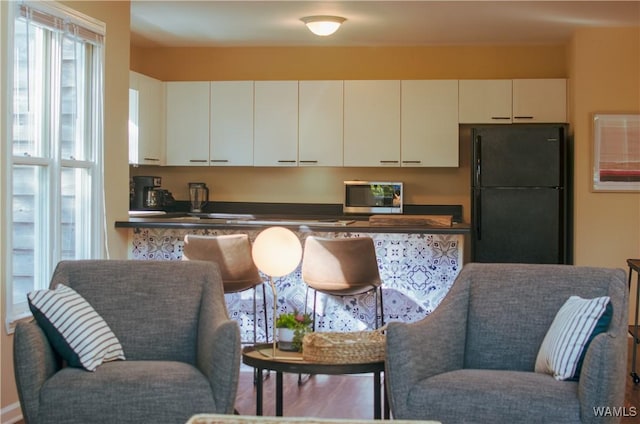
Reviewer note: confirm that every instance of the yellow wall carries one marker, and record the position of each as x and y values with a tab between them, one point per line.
605	78
116	16
605	75
299	63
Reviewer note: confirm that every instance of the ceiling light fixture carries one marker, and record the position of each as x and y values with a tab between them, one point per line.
323	25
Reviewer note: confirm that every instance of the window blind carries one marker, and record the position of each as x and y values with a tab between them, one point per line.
65	24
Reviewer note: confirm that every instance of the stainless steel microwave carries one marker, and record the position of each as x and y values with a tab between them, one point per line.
372	197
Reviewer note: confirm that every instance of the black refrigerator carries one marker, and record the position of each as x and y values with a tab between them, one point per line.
520	194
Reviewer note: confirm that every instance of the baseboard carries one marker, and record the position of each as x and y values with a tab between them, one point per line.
11	414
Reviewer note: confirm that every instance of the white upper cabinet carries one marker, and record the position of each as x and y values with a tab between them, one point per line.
540	100
353	123
187	123
517	101
146	120
485	101
429	123
372	123
231	121
320	123
275	140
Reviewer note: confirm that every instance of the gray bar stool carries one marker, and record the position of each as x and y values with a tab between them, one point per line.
232	253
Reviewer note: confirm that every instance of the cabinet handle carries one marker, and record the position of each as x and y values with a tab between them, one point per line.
308	161
220	160
388	161
197	160
411	161
523	117
152	159
286	161
500	117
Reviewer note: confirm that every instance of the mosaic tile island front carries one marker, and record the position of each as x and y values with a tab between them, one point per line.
417	270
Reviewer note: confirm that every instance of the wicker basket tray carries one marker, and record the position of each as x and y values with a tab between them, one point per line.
358	347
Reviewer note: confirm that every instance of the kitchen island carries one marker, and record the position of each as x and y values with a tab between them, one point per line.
417	264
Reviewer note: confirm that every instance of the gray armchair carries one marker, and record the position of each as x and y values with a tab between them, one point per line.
182	351
472	360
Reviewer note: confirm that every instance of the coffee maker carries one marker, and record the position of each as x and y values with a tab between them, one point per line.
147	196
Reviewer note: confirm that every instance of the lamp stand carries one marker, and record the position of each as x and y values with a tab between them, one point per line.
275	313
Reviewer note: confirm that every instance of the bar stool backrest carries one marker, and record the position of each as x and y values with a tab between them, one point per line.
342	266
231	252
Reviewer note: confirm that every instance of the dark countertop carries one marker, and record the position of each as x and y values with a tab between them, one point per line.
300	216
299	223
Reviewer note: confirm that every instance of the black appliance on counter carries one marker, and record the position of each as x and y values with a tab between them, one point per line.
146	194
520	196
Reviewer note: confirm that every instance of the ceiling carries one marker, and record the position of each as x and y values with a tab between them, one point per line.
212	23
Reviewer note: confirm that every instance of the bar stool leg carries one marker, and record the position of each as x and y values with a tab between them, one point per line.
315	305
255	318
301	380
266	319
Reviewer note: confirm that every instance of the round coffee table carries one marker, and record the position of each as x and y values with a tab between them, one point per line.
261	358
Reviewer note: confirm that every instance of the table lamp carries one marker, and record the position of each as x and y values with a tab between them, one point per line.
276	252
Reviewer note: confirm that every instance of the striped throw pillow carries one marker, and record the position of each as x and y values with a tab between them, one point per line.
74	329
577	322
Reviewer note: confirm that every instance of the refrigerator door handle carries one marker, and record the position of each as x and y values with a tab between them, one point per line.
477	214
478	160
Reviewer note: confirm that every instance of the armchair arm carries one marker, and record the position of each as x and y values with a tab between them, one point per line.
218	351
602	379
34	362
425	348
219	359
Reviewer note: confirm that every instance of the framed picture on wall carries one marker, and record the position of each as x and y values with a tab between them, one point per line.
616	153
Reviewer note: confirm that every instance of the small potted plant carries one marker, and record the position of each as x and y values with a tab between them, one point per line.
292	327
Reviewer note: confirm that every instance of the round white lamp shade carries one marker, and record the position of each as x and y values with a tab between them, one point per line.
276	251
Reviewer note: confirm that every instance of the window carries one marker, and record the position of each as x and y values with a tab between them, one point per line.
55	145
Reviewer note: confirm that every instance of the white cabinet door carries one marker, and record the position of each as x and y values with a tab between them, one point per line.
187	123
146	120
540	100
320	117
275	140
485	101
429	123
372	123
231	142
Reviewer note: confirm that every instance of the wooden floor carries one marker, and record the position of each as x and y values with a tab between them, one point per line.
351	396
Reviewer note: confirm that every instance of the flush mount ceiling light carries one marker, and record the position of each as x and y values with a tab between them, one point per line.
322	24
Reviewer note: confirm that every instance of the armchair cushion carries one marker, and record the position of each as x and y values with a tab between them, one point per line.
74	328
482	398
577	322
125	392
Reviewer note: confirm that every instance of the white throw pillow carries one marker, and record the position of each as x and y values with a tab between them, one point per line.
571	331
76	331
